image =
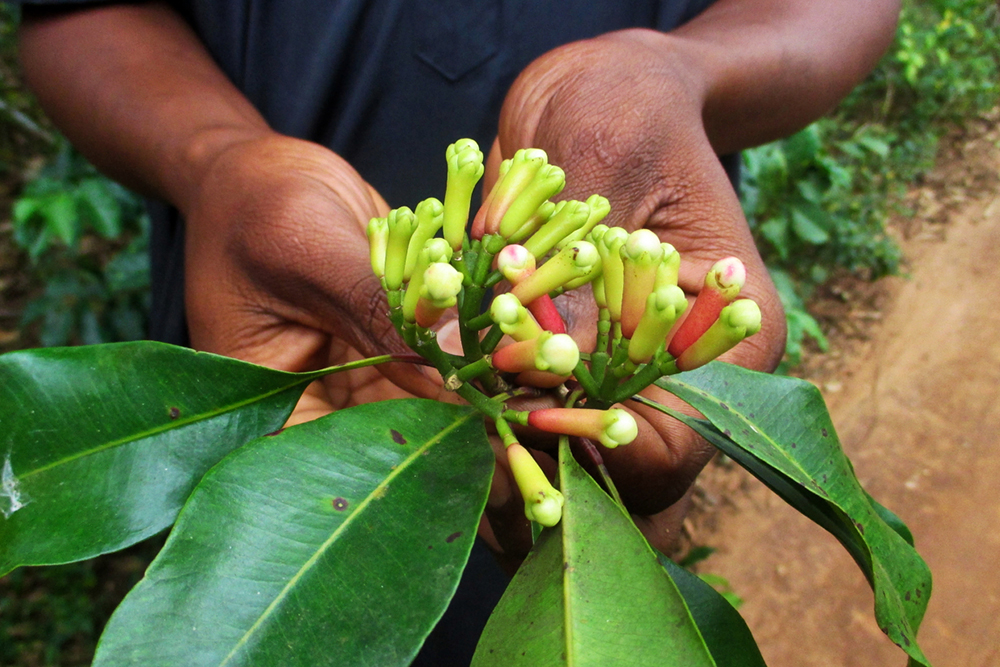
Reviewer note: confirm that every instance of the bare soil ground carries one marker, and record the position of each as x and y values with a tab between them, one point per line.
913	385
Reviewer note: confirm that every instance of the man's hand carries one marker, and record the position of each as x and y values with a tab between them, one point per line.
278	273
623	116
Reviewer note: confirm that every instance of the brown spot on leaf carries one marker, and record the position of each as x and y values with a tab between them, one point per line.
340	504
175	412
397	437
454	536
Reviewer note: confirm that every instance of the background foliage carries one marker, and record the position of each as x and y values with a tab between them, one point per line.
73	267
818	201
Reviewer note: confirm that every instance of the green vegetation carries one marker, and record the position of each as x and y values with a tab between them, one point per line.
818	201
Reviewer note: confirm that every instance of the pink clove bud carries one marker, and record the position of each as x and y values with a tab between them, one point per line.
611	428
442	283
737	321
515	263
723	283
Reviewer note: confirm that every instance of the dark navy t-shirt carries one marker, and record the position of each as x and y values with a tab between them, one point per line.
385	84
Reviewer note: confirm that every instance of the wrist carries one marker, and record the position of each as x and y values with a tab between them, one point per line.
190	163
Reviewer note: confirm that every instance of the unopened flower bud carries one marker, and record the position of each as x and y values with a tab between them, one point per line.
569	216
435	250
599	209
542	502
521	171
515	263
736	322
722	285
554	353
465	168
611	428
641	254
539	218
429	217
613	277
548	182
378	241
442	283
669	268
513	318
663	308
569	264
402	223
478	227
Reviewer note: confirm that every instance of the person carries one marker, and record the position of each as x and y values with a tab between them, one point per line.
274	131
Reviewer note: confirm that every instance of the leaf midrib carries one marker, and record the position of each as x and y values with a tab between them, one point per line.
177	423
375	493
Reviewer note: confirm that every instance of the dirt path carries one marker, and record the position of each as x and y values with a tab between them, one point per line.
918	410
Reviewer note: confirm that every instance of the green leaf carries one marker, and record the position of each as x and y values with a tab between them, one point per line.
779	429
726	633
803	147
591	592
60	215
807	228
101	445
337	542
98	203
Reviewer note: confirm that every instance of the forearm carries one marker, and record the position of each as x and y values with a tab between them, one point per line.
770	67
137	93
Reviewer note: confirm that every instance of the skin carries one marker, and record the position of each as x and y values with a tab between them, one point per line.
277	267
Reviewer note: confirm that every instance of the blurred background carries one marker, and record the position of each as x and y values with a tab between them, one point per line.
873	191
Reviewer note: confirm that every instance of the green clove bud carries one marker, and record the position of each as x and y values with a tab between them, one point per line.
599	209
569	264
542	502
378	241
513	318
568	217
465	168
429	218
663	307
402	223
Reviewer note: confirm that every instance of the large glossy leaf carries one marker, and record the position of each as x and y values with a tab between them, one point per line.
780	430
337	542
591	592
726	633
101	445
